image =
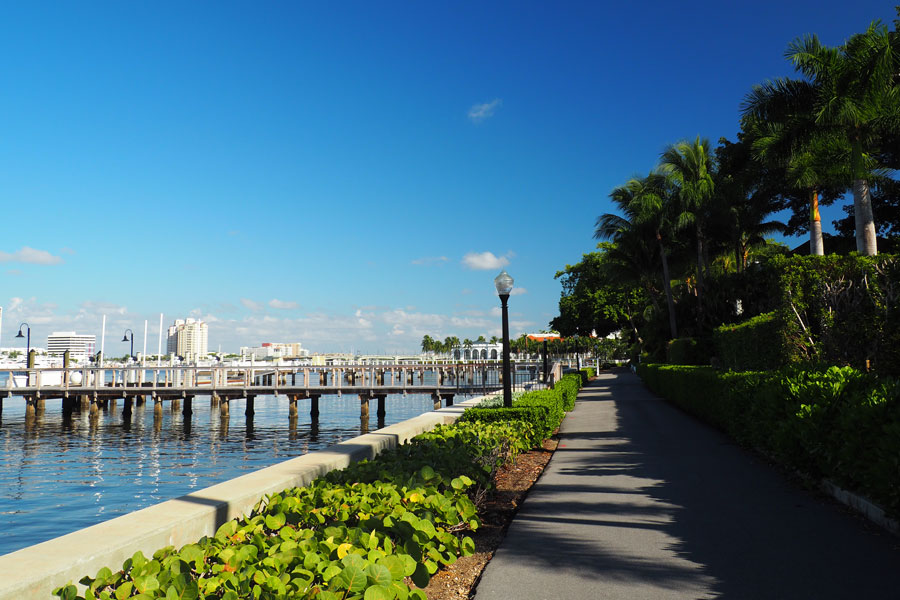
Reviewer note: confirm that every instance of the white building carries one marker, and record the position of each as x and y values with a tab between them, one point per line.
79	346
478	351
270	350
188	338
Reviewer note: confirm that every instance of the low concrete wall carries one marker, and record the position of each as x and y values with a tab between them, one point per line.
35	571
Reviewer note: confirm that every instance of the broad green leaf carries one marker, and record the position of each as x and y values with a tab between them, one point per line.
379	575
192	553
427	473
400	589
124	590
468	546
226	530
421	577
331	572
395	566
146	584
354	560
379	592
409	565
276	521
351	578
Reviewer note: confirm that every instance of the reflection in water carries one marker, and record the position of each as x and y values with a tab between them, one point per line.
61	472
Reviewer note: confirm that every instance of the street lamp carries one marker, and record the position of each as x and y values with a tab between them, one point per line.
28	343
125	339
504	284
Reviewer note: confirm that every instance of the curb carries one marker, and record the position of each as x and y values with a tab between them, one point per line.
866	507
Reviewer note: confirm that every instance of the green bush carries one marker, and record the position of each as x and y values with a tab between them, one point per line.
587	373
755	344
687	351
542	410
841	310
837	423
360	533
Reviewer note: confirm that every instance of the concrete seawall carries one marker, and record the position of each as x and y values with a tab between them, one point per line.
33	572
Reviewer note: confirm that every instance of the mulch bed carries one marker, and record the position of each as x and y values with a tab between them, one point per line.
512	484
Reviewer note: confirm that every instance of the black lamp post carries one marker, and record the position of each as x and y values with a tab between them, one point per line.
125	339
504	284
28	342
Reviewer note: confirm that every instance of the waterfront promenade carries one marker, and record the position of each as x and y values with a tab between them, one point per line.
642	501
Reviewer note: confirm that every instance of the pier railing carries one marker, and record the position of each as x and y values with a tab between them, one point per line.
229	380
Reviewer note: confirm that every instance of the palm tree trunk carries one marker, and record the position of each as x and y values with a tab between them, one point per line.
816	245
700	253
866	241
667	285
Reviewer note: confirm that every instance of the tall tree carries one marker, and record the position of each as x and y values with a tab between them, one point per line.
649	209
690	166
779	122
856	98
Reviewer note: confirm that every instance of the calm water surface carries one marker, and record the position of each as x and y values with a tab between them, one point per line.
60	474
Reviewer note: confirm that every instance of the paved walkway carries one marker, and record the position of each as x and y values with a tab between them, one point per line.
641	501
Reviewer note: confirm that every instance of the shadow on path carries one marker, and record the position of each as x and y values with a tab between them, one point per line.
642	501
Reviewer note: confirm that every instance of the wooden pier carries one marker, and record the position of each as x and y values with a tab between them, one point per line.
90	388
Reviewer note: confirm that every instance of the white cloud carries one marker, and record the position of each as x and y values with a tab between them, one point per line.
31	256
282	305
251	304
480	112
518	291
483	261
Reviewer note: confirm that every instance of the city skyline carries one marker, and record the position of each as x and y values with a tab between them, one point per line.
349	177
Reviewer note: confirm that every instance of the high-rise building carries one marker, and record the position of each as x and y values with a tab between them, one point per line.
79	346
188	338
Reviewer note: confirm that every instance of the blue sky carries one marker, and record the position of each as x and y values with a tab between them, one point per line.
348	175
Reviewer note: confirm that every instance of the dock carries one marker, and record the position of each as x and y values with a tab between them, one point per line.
93	387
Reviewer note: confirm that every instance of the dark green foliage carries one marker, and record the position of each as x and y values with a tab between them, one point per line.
360	533
751	345
842	310
837	423
687	351
587	373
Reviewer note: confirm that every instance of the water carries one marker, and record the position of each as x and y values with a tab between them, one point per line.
59	475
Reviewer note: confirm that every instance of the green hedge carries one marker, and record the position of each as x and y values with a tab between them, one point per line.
687	351
754	345
836	423
361	533
542	410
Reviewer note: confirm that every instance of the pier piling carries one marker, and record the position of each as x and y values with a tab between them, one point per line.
364	406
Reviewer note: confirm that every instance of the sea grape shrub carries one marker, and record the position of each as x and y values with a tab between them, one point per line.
363	532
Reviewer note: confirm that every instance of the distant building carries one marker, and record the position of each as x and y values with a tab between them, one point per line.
189	339
478	351
79	346
275	350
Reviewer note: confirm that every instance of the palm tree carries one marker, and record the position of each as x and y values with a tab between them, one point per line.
856	98
690	166
647	205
